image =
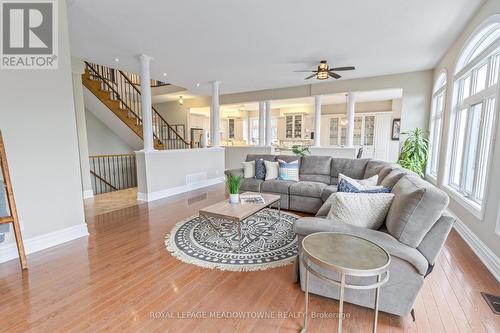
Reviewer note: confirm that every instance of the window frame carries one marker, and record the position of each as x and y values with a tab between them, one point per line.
469	67
439	91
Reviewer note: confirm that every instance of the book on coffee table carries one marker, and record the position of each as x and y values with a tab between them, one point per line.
251	199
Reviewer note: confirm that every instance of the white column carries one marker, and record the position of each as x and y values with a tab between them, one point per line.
249	128
317	121
269	124
262	129
351	108
81	127
147	113
215	115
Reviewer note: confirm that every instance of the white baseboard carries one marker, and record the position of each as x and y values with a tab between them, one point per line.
178	190
489	259
42	242
88	194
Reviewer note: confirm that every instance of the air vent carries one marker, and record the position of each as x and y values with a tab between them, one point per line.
493	301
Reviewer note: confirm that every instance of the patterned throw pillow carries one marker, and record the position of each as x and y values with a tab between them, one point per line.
289	171
260	169
347	186
366	210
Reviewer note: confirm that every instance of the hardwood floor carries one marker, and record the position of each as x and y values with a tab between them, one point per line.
121	278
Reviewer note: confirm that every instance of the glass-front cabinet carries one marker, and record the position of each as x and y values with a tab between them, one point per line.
293	126
364	130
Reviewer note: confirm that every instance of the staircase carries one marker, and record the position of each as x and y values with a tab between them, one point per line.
121	95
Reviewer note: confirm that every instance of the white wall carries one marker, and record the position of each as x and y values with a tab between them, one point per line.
163	173
37	118
483	229
102	140
234	155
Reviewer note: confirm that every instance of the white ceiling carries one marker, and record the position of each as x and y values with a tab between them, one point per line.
252	45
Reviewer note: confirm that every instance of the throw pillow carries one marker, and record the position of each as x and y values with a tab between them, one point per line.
271	170
368	185
260	169
365	210
289	171
248	169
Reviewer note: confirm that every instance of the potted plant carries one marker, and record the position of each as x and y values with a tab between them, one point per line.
300	151
414	152
233	183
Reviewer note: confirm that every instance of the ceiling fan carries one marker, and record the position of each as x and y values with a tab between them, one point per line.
323	71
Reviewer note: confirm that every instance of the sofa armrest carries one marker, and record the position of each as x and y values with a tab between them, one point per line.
310	225
434	240
235	172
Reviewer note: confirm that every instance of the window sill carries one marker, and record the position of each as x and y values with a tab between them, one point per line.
431	179
472	207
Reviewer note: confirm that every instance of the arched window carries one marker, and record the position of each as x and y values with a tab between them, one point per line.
436	123
474	112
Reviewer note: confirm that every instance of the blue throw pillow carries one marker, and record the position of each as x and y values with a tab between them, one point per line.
345	186
289	171
260	169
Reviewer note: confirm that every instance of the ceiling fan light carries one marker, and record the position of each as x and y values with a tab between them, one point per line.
181	101
322	75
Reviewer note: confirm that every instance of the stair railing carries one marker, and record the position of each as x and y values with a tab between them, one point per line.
112	172
129	96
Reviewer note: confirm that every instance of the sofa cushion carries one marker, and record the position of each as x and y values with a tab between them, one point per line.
307	189
328	191
373	167
393	177
260	169
288	170
248	169
417	205
272	170
385	171
276	186
308	225
251	184
353	168
265	157
316	169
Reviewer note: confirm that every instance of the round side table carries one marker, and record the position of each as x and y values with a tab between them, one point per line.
346	255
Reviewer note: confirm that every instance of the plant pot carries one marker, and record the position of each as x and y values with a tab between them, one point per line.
234	198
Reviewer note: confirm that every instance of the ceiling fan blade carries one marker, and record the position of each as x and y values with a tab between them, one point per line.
305	71
334	75
310	76
348	68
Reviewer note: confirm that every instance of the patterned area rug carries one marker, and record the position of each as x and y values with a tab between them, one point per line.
266	242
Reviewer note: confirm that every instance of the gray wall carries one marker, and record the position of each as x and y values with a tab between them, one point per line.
101	139
37	118
486	229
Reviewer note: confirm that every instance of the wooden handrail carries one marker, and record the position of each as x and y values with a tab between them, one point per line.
113	89
156	111
102	180
110	155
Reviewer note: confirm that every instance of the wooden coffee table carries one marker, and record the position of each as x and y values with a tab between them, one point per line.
238	212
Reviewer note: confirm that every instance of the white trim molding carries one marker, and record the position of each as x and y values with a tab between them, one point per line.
45	241
489	259
178	190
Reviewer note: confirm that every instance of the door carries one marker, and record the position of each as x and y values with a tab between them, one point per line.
382	137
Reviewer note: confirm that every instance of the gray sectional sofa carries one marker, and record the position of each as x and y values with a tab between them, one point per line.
414	232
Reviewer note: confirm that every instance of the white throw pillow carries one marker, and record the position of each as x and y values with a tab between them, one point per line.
272	170
362	184
248	169
367	210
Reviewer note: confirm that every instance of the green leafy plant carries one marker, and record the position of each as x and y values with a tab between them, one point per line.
233	183
414	152
300	151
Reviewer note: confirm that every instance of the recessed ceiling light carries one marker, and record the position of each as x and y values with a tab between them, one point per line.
164	74
116	59
198	84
